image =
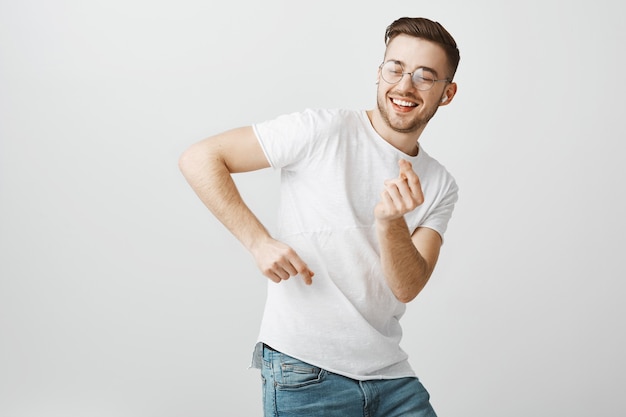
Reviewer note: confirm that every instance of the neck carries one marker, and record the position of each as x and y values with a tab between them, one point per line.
404	141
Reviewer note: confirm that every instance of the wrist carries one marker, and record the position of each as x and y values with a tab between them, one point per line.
257	241
390	223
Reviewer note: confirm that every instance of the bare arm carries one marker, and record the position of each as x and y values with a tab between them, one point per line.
207	167
407	261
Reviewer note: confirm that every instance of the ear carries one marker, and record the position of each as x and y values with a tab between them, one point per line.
448	94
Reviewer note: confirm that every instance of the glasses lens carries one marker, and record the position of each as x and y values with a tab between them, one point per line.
391	72
423	79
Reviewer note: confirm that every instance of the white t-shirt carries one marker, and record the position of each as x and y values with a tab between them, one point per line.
333	166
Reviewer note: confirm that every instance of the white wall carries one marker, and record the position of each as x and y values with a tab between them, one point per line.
121	296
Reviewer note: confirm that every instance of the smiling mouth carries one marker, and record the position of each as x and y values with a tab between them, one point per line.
403	103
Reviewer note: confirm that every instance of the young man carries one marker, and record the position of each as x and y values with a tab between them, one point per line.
362	214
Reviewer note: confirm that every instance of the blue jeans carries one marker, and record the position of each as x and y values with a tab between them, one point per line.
295	388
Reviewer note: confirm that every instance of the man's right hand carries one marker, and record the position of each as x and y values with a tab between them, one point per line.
279	262
207	166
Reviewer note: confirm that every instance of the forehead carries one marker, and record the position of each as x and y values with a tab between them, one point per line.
415	52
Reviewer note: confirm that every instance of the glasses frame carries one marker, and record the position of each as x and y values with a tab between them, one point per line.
434	80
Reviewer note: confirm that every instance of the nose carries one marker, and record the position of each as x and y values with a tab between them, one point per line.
406	82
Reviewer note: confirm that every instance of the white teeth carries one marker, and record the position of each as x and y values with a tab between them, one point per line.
403	103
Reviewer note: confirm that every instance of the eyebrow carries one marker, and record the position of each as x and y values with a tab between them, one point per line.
422	67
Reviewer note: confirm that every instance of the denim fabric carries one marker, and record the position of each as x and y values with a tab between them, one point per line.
294	388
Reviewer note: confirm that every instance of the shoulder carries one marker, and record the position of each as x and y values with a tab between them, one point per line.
327	116
435	171
310	122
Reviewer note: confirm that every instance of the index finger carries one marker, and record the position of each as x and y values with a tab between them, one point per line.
303	270
407	173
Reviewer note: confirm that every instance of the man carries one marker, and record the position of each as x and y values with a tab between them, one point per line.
362	214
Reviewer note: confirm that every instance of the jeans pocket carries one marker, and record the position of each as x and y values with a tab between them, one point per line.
296	374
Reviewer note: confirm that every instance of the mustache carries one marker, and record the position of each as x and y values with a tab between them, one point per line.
403	95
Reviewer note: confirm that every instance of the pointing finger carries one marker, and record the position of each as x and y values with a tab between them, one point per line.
410	176
303	270
307	276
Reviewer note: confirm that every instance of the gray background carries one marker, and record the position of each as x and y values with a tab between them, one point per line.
121	296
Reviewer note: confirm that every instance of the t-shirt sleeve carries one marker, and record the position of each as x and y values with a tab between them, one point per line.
440	215
288	139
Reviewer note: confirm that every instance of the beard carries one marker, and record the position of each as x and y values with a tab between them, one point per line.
408	125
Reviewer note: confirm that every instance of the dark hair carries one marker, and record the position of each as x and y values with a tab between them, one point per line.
423	28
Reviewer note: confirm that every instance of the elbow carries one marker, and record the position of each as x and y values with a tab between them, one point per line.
186	161
406	296
193	160
408	291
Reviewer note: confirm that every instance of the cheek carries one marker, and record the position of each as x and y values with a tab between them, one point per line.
382	90
433	99
381	96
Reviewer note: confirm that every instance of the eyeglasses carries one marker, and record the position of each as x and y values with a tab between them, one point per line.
423	79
